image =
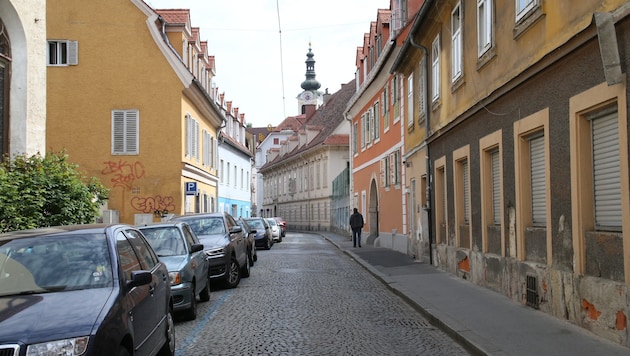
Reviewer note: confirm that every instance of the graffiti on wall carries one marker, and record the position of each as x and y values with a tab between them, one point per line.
124	174
152	204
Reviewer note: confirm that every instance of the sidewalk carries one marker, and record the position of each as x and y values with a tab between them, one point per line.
484	321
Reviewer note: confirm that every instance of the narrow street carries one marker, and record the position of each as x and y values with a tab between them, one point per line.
305	297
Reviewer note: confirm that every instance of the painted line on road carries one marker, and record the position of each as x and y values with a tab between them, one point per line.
201	324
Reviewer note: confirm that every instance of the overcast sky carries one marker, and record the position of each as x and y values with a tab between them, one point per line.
247	41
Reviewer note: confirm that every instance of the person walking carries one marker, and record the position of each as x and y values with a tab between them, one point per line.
356	224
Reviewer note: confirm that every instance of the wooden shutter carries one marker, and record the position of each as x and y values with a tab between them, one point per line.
73	52
606	171
538	180
124	132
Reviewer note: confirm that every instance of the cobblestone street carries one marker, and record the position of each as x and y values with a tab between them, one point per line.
305	297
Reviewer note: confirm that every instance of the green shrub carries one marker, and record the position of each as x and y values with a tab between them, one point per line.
39	191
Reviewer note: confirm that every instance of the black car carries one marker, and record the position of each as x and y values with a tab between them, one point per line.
250	234
263	239
224	243
83	290
179	248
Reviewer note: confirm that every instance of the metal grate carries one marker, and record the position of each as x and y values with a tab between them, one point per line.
532	292
9	350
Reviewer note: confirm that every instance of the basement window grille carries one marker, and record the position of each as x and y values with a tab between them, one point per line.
532	292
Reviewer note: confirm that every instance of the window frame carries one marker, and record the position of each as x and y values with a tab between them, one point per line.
457	43
68	55
435	69
485	26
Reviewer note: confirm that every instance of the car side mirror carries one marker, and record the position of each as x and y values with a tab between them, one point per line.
139	278
236	229
254	231
196	248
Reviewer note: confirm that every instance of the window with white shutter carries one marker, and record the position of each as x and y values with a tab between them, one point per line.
538	180
496	187
435	69
606	170
484	26
125	135
410	100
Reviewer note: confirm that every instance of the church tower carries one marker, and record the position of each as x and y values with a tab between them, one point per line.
310	95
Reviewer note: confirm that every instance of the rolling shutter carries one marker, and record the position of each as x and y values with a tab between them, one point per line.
496	188
466	192
538	179
606	171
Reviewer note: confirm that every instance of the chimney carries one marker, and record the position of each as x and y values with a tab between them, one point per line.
309	110
326	96
229	107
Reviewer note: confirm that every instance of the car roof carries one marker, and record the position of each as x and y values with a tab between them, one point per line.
199	215
51	230
162	224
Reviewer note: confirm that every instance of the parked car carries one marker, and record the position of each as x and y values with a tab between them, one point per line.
275	229
224	243
252	255
283	226
263	237
179	248
83	290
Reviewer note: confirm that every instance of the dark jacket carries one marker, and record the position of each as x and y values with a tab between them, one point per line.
356	221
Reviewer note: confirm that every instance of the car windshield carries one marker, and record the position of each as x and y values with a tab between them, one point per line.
255	224
207	225
165	240
272	222
54	263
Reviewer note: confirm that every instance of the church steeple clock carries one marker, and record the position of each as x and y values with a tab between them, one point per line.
310	95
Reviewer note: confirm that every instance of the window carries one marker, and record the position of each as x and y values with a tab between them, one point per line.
456	43
410	100
385	172
5	86
376	113
394	162
208	149
492	231
192	138
125	132
422	77
63	53
440	201
395	97
525	7
355	142
367	134
461	191
435	69
537	176
484	26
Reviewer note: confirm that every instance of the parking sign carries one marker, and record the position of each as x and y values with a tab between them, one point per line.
191	188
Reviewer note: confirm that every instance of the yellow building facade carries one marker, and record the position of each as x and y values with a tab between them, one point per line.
129	110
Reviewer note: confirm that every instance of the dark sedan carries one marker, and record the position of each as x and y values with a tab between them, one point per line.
83	290
179	248
224	244
263	238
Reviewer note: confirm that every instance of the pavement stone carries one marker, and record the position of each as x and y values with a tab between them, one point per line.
486	322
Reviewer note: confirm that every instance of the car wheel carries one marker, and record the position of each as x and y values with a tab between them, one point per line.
191	312
204	295
268	247
233	276
168	349
280	238
246	269
255	254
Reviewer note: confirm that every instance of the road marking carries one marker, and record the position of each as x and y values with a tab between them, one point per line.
201	324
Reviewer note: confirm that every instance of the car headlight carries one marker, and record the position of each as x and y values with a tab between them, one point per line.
66	347
176	278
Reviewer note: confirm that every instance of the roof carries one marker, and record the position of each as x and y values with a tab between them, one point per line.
326	119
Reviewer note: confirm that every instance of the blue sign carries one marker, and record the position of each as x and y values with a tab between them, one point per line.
191	188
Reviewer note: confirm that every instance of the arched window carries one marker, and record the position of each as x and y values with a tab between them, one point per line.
5	72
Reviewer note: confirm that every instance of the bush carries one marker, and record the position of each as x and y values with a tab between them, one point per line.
40	191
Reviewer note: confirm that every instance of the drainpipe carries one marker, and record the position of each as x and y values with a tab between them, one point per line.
428	126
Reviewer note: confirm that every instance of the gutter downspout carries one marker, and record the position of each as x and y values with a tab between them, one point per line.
428	126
